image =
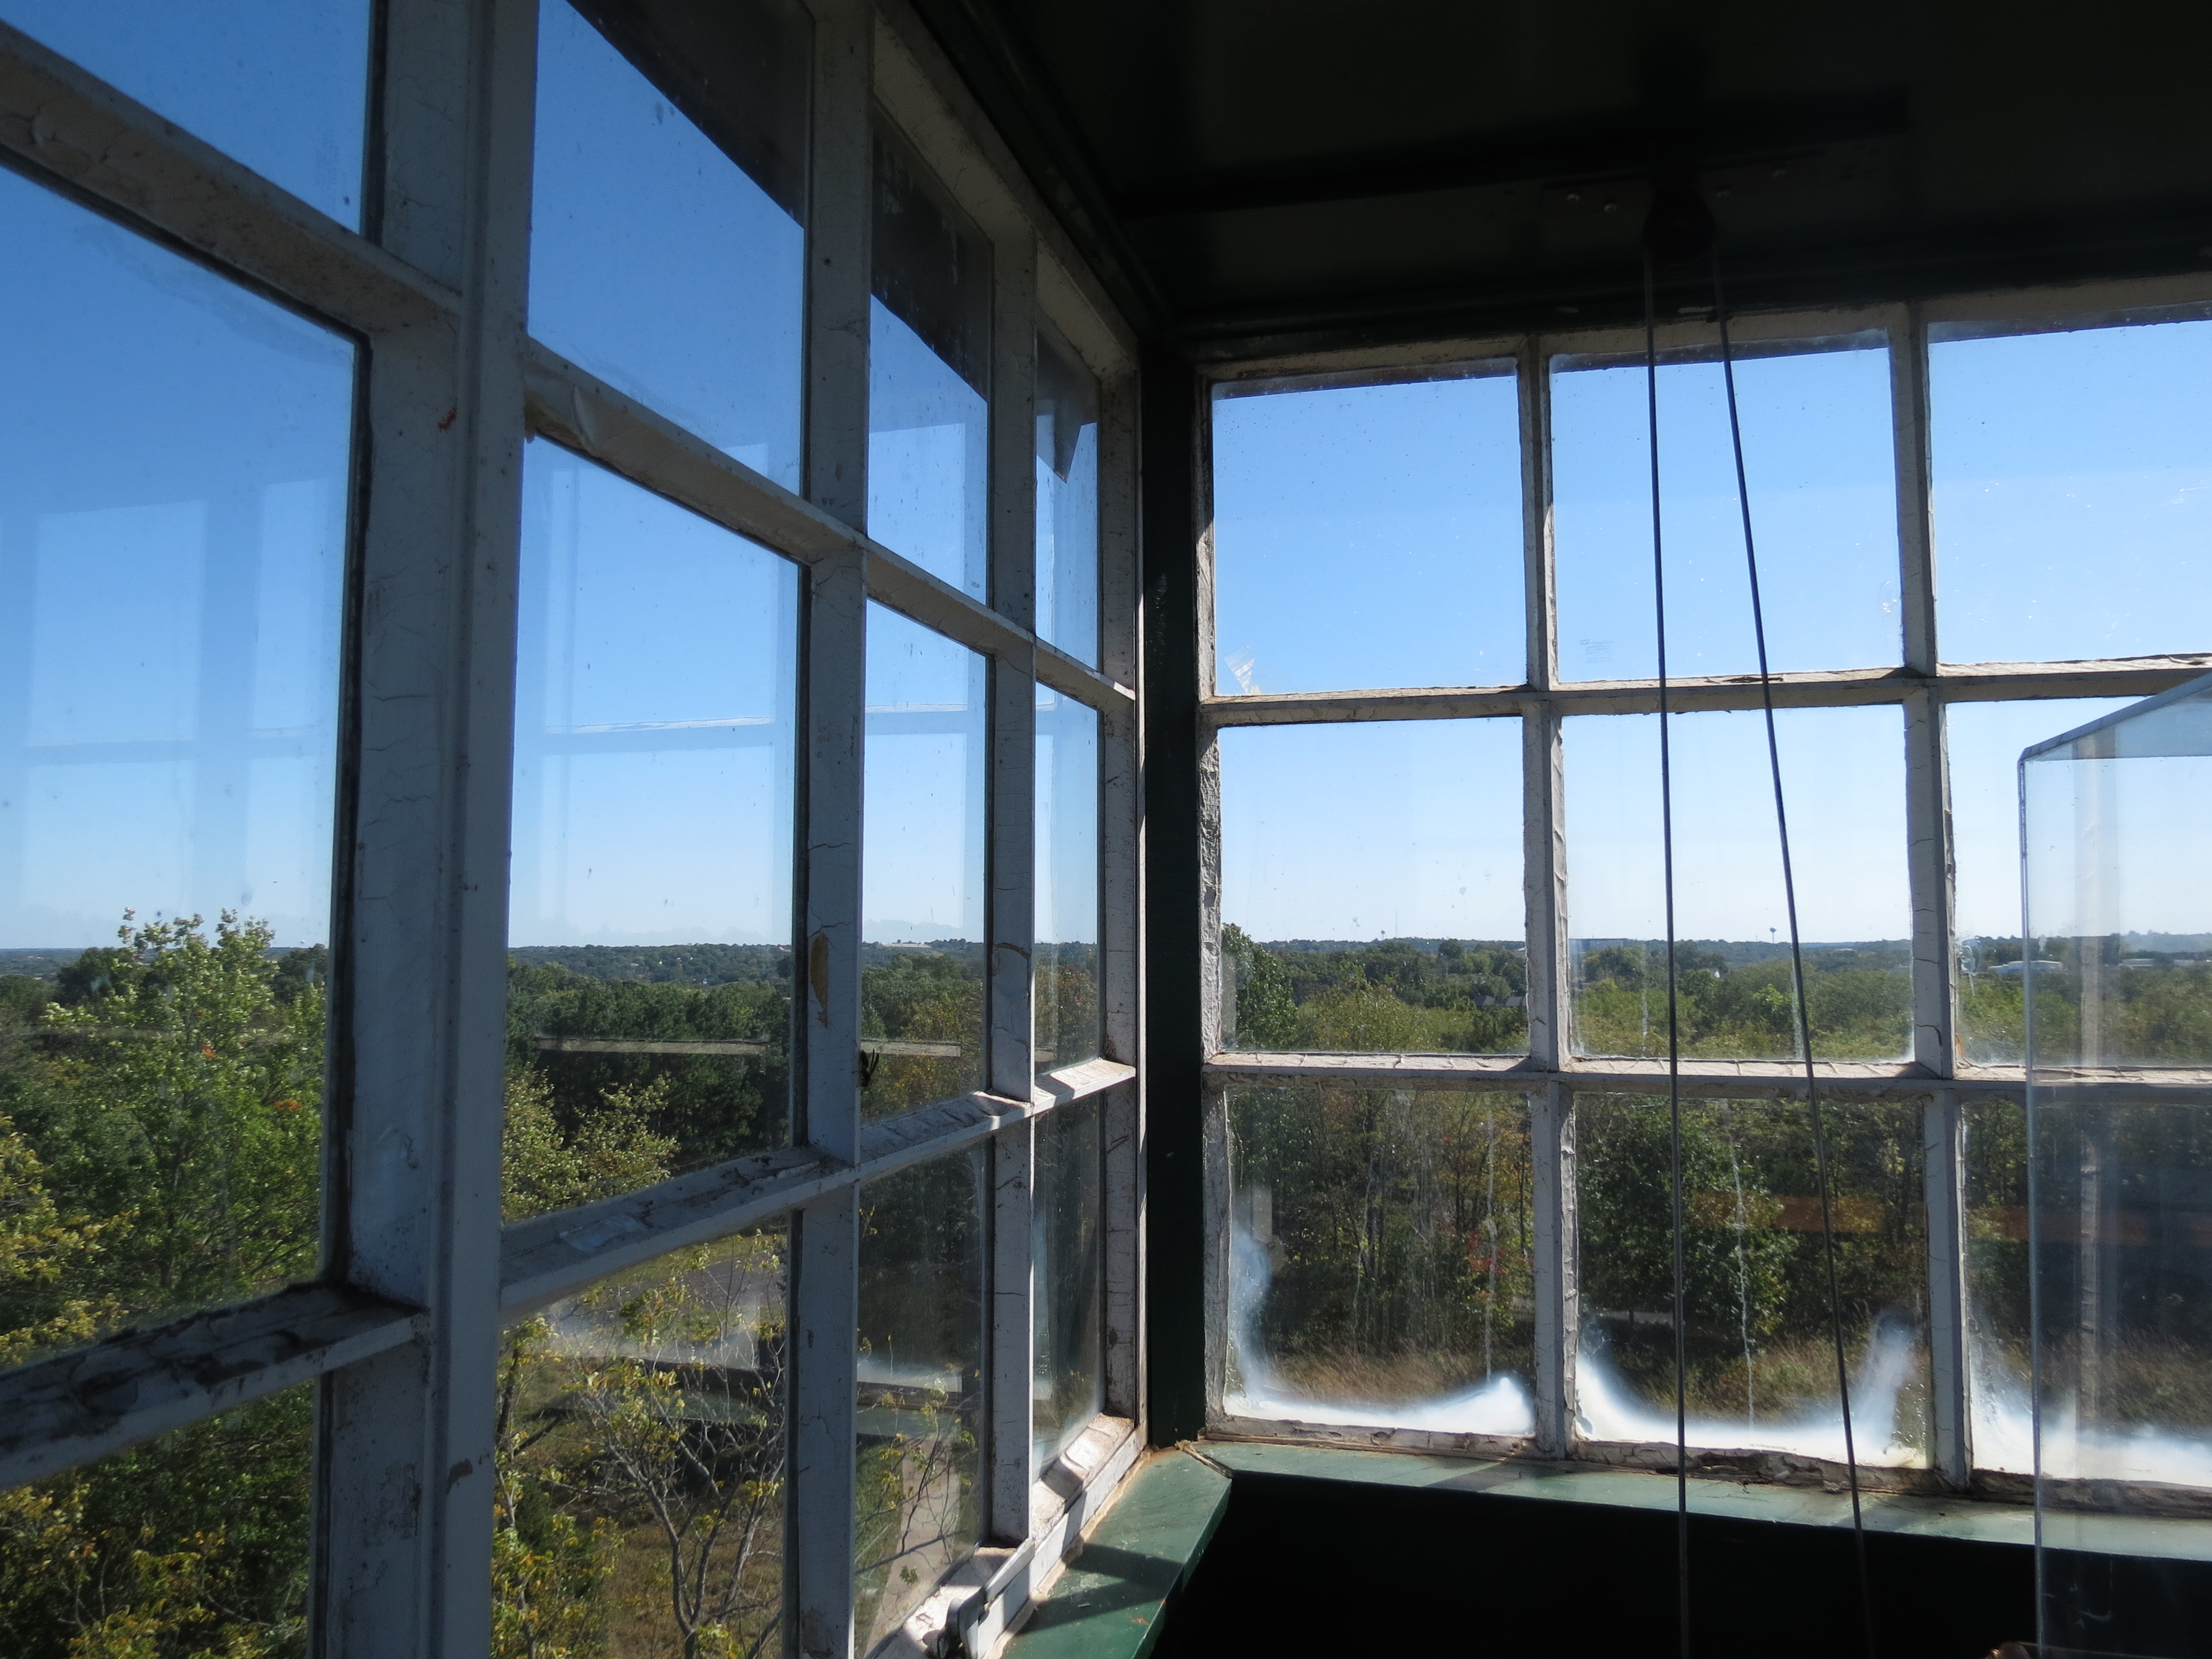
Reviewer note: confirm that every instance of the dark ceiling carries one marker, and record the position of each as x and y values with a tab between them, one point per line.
1254	174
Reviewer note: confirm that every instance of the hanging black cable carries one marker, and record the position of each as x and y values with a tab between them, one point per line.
1796	956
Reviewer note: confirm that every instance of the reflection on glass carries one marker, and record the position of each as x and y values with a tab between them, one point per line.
639	1461
1066	925
1068	1256
920	1387
921	868
929	376
1820	460
199	1536
1984	740
1382	1265
2118	928
1067	500
1372	887
1997	1299
1334	505
649	977
173	463
277	84
1844	770
1762	1371
666	250
2073	492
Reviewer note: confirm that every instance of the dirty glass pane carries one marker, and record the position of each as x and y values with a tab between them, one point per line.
1067	499
921	868
929	374
173	466
280	85
1822	462
920	1387
1984	740
1844	770
1066	916
1068	1251
1368	535
666	254
195	1542
1997	1301
1382	1259
640	1458
649	909
2073	477
1372	887
1762	1370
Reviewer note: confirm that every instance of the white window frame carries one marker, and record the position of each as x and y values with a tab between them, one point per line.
403	1331
1551	1075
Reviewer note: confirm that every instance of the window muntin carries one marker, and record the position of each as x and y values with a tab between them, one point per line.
1761	1368
929	374
1067	499
1382	1249
1819	457
1066	1028
2073	491
1335	505
920	1378
1068	1257
1735	1000
667	249
1372	874
281	85
922	867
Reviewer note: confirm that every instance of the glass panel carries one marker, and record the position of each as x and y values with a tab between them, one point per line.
1984	740
2073	477
1762	1371
279	85
929	376
667	254
1997	1311
1382	1265
649	988
1067	500
921	868
1068	1252
1372	887
173	472
640	1461
1819	453
921	1386
1334	504
195	1543
1066	927
1848	840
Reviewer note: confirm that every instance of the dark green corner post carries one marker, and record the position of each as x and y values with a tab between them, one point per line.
1173	425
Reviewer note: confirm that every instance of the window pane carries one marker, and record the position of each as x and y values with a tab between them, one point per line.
1984	740
1068	1252
929	376
199	1537
639	1457
666	254
1762	1370
1068	499
1372	887
1066	927
279	85
921	1386
1335	505
1847	837
921	868
1998	1330
1382	1265
2073	478
1819	454
650	902
173	464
